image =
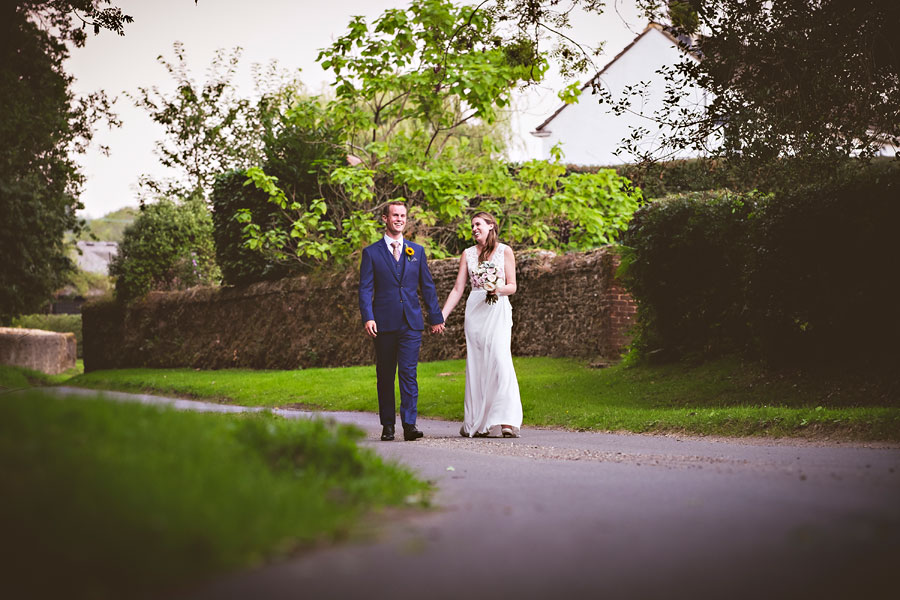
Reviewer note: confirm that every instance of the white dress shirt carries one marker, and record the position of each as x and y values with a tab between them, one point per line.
389	241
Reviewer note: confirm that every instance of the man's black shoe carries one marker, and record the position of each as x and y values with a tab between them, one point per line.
410	433
387	433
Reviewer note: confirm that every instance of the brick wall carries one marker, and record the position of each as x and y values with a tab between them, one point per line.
567	305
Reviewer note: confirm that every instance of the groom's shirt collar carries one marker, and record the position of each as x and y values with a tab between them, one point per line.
389	241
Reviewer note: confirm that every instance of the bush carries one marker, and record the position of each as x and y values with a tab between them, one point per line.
676	177
683	263
57	323
168	247
299	157
658	180
239	264
798	277
822	271
85	284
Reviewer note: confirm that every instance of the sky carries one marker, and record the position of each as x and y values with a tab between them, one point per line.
290	32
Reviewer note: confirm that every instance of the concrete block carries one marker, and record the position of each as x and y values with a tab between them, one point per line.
45	351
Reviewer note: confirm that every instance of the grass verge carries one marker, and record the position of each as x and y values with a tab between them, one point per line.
107	500
725	397
18	378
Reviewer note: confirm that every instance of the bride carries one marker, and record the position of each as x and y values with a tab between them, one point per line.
492	402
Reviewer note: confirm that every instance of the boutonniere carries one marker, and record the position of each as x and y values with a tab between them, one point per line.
409	253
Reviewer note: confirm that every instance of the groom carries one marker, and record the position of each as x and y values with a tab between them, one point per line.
391	272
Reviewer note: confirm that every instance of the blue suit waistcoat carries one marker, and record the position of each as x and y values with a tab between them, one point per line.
388	288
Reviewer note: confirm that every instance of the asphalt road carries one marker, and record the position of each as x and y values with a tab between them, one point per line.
558	513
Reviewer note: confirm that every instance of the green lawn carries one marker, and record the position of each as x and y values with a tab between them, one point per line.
724	397
104	500
16	378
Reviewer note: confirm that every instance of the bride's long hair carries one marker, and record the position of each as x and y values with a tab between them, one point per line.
490	244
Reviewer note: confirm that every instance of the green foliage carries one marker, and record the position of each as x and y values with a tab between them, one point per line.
18	378
164	498
211	133
412	91
812	78
109	227
230	197
44	127
169	247
683	263
39	179
796	277
209	128
534	23
58	323
820	278
660	179
301	145
85	283
69	19
413	63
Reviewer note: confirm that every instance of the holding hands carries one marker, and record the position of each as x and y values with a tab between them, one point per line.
372	329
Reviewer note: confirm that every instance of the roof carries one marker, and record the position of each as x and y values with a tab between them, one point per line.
681	44
96	256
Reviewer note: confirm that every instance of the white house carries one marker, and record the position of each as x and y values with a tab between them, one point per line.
96	256
590	132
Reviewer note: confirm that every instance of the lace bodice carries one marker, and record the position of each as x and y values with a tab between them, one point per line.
498	260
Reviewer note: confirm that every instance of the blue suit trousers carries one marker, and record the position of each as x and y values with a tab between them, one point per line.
397	350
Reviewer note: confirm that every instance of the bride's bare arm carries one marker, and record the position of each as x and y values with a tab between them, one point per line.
458	288
510	267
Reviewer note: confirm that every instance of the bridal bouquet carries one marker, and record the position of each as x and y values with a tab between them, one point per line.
487	277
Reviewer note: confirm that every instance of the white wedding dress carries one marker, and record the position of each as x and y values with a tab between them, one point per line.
492	391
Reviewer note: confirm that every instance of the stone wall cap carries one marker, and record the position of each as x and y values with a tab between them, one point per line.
21	331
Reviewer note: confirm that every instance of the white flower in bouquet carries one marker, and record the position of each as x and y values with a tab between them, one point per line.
487	277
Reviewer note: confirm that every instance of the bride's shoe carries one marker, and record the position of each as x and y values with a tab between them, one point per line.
509	432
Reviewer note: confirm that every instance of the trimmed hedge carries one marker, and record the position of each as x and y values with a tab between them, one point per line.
676	177
822	270
662	179
796	277
683	263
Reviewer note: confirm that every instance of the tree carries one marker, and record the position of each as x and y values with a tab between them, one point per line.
168	247
812	78
299	152
209	128
69	19
545	21
43	125
413	93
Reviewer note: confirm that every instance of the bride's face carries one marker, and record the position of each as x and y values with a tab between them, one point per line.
480	229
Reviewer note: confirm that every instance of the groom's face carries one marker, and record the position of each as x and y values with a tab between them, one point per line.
395	220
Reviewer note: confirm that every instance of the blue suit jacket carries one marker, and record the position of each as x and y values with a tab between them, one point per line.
389	296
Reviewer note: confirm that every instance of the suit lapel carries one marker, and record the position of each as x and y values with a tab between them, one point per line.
389	260
403	260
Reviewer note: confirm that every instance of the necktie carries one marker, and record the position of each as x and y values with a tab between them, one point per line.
396	246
